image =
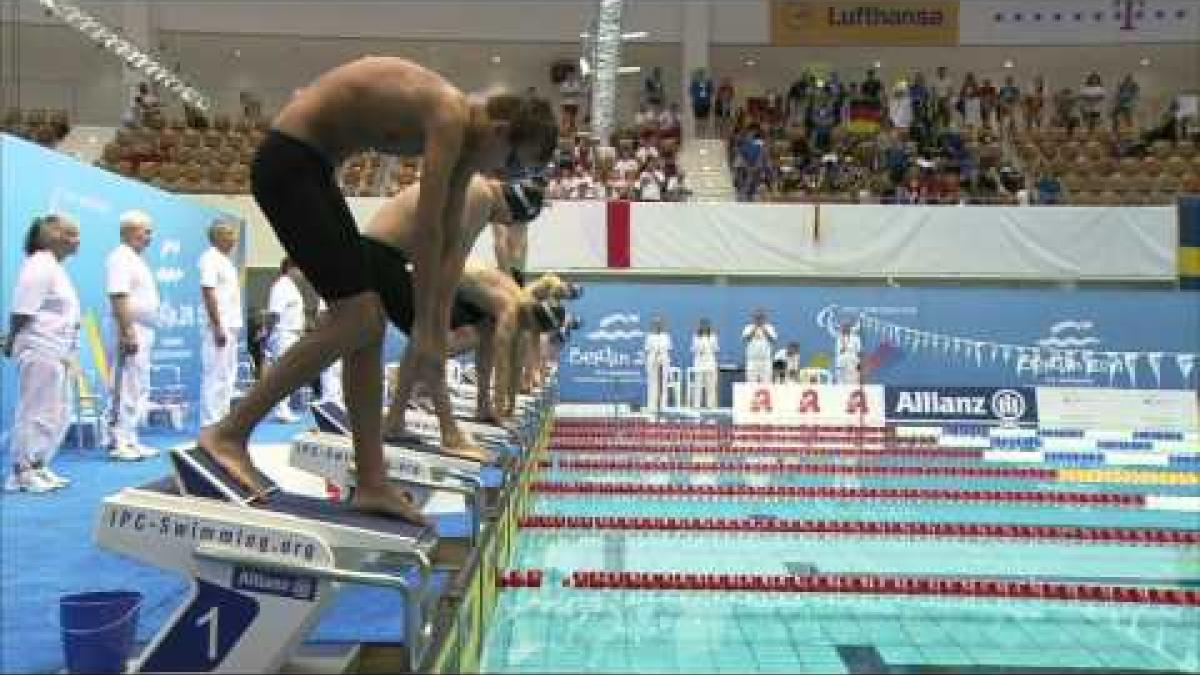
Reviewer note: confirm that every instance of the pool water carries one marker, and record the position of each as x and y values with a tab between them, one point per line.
562	629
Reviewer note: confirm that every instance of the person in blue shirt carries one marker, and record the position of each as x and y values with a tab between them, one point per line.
1006	111
701	92
1127	95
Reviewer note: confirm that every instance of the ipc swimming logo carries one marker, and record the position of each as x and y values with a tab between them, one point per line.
1008	405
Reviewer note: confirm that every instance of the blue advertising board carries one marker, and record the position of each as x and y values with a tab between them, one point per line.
35	181
922	337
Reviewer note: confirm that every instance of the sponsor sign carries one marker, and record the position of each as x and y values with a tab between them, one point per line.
803	22
1118	409
987	405
799	404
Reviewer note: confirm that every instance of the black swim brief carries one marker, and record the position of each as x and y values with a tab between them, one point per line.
295	186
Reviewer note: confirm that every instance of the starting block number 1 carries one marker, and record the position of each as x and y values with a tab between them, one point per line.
202	638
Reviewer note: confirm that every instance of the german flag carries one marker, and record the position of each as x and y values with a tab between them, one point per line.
1189	242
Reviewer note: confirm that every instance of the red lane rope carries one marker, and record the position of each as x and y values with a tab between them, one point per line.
824	492
870	584
531	578
802	468
950	453
1122	535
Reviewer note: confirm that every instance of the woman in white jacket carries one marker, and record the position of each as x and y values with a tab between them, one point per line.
658	360
704	365
43	339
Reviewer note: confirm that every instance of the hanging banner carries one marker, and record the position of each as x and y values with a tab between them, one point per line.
796	404
870	23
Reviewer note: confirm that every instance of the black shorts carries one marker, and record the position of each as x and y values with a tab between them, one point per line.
466	312
391	277
295	186
701	110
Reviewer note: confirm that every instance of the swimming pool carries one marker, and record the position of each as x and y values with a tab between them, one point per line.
847	532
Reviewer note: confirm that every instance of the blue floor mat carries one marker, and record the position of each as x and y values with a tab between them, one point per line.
46	551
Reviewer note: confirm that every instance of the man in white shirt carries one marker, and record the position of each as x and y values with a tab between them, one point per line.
221	291
848	355
133	293
658	360
651	183
43	341
704	365
787	363
331	377
285	324
759	338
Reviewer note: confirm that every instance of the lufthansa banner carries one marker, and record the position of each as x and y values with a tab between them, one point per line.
986	405
797	23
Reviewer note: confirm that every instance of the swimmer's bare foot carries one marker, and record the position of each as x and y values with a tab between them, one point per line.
388	500
232	456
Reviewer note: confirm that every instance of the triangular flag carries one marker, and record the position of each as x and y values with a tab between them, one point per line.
1131	359
1114	364
1155	360
1185	362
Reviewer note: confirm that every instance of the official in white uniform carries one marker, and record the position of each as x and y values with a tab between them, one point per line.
285	324
658	359
43	340
221	289
789	359
759	338
704	365
331	377
133	293
848	351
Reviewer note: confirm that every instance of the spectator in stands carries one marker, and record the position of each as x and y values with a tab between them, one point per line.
970	103
1048	189
1170	126
942	89
1066	110
1123	106
919	96
724	106
651	182
1091	100
754	158
900	107
701	92
652	89
142	105
1035	102
645	152
251	107
570	90
676	189
670	124
1006	105
988	100
646	121
824	118
895	158
796	100
872	88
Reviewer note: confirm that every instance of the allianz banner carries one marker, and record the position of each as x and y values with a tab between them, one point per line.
985	405
796	23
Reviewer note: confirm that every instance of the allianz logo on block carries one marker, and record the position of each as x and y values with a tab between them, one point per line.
1013	405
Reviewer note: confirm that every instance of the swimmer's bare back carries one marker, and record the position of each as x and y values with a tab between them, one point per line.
379	103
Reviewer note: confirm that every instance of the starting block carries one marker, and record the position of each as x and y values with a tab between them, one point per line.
261	575
331	418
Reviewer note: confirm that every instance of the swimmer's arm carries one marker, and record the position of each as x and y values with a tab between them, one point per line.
443	148
511	245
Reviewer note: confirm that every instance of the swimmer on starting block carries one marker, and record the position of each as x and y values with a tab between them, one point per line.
394	231
508	324
394	106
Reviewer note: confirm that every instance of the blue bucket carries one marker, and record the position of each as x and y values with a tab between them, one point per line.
97	630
